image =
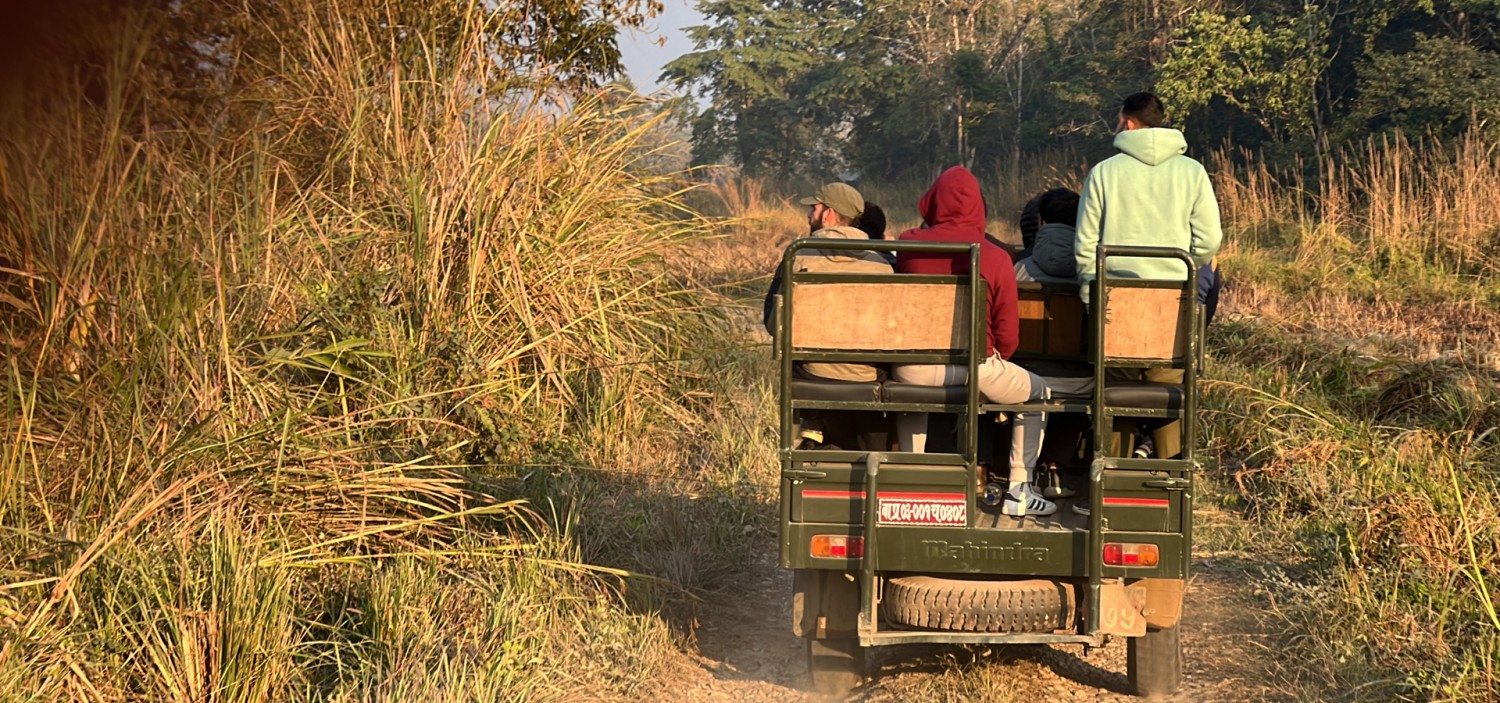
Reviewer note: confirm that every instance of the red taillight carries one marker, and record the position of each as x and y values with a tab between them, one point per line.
838	546
1131	554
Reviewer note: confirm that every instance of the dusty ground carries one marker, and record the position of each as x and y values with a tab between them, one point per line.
747	654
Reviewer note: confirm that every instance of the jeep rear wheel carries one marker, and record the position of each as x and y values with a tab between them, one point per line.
1153	663
971	605
835	665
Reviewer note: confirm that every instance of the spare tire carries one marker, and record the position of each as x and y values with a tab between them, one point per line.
974	605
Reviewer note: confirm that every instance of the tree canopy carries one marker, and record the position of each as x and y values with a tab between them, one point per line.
895	87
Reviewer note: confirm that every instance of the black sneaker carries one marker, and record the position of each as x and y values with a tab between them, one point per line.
1053	487
1145	449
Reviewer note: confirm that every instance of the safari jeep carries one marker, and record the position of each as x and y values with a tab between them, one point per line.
892	547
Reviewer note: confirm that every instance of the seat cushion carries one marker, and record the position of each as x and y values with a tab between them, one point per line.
1143	394
912	393
850	391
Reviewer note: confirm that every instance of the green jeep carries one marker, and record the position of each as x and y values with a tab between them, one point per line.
927	561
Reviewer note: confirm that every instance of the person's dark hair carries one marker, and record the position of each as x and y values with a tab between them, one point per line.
1058	206
1146	108
871	221
1029	222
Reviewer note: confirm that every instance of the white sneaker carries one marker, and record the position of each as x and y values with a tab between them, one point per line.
1023	500
1145	449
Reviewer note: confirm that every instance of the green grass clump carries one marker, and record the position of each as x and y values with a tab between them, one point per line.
1371	481
1354	404
277	362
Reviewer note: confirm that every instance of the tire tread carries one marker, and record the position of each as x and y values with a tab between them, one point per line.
1153	663
976	606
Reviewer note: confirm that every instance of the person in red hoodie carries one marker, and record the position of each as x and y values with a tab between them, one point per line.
953	210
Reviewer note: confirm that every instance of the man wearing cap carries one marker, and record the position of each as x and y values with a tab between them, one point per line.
831	213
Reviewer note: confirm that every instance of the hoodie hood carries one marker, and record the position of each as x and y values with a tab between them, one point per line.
954	204
1153	145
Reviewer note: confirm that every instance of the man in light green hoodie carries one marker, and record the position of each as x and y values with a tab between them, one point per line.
1150	194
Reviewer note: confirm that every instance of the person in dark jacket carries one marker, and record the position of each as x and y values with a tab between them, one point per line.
1051	257
953	211
871	221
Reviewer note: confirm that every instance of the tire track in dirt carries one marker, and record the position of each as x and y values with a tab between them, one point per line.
746	652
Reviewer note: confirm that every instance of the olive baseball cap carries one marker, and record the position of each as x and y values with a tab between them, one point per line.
843	198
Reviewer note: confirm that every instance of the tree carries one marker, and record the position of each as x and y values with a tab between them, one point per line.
753	62
903	87
1268	73
1442	86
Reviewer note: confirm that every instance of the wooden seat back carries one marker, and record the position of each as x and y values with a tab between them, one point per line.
1054	323
1148	323
881	317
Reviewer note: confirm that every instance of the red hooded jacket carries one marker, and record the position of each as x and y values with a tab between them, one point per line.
954	212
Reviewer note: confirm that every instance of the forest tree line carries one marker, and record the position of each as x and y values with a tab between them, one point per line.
898	88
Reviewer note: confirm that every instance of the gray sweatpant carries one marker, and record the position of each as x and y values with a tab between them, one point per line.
999	382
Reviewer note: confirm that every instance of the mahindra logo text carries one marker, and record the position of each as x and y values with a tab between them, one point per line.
982	551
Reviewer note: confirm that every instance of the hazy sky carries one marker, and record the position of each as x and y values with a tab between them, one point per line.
643	57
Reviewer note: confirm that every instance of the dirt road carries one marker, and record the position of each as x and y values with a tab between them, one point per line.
747	654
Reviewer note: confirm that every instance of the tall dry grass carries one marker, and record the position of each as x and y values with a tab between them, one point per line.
1419	211
267	375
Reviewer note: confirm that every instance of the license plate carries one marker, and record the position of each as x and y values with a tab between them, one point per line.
920	509
1119	613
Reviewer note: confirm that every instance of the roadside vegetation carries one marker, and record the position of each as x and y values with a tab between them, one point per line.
1355	409
384	360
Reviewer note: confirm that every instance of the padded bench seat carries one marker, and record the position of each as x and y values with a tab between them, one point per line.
835	391
894	392
1125	394
1143	394
1069	380
897	392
